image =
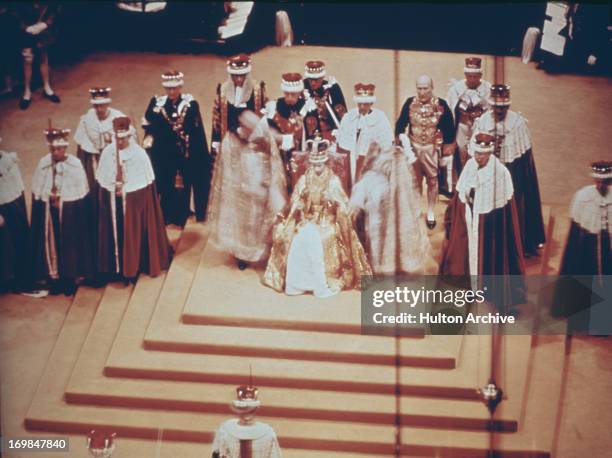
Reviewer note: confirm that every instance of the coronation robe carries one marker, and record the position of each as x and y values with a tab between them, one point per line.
482	231
249	188
257	440
514	149
357	132
330	108
180	157
61	243
316	248
15	231
132	235
396	241
587	250
91	137
231	101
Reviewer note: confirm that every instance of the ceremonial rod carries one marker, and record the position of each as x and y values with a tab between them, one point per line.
398	365
492	393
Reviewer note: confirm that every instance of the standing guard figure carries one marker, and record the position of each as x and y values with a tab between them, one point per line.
177	145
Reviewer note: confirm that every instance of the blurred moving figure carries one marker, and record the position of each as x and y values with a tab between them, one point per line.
575	37
361	127
284	31
395	239
249	189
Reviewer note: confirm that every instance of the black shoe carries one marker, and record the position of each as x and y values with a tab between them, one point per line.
70	289
242	264
127	281
24	103
56	289
51	97
446	193
430	223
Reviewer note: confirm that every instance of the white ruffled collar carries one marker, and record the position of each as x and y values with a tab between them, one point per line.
186	100
11	184
492	185
246	92
254	431
70	179
589	208
517	139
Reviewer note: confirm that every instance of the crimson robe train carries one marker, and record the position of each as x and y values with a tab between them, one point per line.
515	151
132	235
15	231
61	245
482	228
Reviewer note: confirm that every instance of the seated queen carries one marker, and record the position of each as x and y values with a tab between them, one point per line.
315	248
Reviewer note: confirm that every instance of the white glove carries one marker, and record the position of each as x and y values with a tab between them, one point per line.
287	143
309	106
36	28
592	60
408	152
215	147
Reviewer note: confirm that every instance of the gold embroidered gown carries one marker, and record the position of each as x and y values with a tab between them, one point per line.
315	248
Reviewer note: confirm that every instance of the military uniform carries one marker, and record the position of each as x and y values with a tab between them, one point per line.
288	120
232	100
177	145
425	127
329	101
